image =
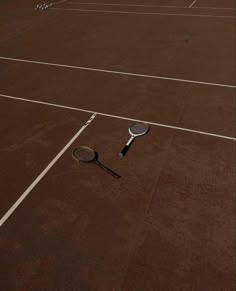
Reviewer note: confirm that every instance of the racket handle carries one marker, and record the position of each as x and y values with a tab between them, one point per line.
124	151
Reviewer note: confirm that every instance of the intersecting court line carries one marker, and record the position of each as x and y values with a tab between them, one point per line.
118	72
148	5
120	117
44	172
191	5
145	13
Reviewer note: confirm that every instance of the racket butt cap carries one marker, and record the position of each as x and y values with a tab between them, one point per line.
124	151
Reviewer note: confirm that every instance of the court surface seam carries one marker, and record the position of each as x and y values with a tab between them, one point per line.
116	72
120	117
151	6
146	13
44	172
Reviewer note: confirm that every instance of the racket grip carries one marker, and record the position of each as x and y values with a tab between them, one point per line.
124	151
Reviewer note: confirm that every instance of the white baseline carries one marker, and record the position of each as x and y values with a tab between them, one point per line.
117	72
59	2
151	6
146	13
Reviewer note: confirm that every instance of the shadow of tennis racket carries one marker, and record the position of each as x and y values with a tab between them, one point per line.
85	154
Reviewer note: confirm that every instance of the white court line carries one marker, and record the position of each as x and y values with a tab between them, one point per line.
191	5
145	5
209	8
128	5
59	2
120	117
146	13
117	72
43	173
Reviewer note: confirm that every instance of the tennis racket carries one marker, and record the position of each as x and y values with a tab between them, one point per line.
137	129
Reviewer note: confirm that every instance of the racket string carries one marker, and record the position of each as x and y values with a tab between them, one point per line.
139	128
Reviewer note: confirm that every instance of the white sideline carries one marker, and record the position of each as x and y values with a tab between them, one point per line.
145	13
120	117
117	72
43	173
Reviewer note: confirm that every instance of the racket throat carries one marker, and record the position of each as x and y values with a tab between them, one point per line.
129	142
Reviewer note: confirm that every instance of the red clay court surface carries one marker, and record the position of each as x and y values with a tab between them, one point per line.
80	73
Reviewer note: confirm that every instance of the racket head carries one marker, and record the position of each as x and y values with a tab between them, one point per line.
84	154
139	128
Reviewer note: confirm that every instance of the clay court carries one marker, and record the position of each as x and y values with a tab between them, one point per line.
80	73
